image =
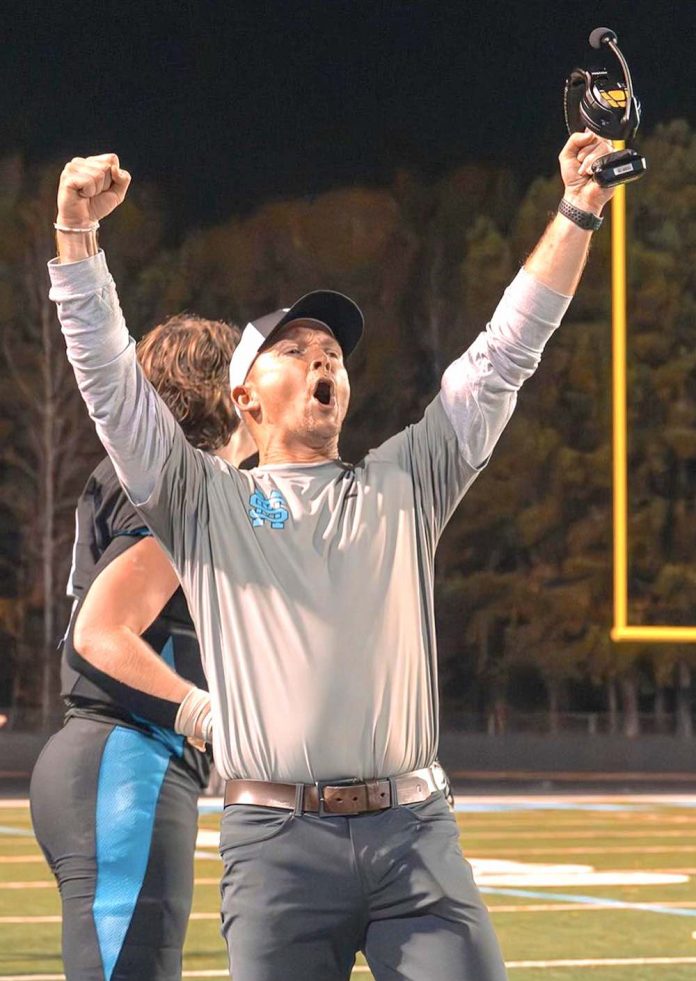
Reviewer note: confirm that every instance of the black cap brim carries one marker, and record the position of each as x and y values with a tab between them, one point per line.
340	314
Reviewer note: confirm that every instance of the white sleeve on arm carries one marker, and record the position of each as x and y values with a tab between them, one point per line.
479	389
134	425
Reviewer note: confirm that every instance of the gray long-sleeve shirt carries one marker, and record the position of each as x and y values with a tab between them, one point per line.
310	586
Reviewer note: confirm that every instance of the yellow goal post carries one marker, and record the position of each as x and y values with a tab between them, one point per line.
622	630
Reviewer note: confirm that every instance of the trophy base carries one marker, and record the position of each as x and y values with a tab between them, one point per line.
619	167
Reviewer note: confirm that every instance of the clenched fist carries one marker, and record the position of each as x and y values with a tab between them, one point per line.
576	159
90	188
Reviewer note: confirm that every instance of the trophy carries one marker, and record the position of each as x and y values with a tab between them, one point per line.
605	104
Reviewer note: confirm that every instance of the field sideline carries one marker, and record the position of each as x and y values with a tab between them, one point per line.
581	888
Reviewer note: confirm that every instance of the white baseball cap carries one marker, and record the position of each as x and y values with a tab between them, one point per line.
341	315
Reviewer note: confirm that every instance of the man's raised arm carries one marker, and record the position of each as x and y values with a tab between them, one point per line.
479	390
135	427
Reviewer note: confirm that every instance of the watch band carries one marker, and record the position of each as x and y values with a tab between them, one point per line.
583	219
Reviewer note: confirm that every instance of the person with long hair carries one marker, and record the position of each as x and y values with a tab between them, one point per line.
114	793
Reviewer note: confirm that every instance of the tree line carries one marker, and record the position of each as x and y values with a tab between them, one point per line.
524	569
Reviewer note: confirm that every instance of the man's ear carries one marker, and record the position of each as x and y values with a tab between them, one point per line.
244	398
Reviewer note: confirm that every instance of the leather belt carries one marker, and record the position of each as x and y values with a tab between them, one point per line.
335	796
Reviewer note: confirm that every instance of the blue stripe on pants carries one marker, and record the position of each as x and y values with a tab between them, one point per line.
131	773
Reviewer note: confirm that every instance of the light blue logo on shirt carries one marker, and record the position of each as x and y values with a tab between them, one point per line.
273	509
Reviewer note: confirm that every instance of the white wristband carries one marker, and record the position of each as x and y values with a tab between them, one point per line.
194	717
76	231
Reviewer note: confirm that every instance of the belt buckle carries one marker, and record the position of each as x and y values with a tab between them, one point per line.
320	784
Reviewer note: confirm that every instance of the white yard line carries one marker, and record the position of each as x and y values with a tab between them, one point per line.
223	975
530	908
560	850
540	800
50	883
601	962
584	907
511	965
5	920
575	835
19	859
33	884
53	918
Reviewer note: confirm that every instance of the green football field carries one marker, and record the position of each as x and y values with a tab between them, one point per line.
580	889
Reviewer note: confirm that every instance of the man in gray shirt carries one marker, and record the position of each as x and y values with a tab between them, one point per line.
310	583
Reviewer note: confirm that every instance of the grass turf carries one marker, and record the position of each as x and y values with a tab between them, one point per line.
545	925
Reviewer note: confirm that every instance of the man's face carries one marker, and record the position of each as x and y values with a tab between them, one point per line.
300	383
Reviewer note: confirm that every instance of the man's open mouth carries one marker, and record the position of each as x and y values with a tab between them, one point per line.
323	392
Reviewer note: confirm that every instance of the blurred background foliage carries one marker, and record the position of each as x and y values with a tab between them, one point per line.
524	569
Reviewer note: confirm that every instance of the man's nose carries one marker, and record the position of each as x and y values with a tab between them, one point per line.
320	360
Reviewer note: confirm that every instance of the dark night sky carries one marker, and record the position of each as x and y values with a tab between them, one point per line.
225	105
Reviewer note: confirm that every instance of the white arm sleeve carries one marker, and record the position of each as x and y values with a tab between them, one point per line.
479	389
133	423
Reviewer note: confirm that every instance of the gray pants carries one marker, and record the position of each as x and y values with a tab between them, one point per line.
301	894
